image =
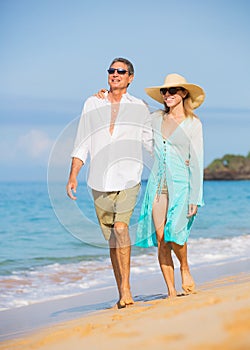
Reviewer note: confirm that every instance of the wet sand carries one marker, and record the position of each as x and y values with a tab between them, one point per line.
217	317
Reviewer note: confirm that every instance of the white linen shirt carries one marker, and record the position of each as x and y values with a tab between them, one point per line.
116	161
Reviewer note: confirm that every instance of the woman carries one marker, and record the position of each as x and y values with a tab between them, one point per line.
175	186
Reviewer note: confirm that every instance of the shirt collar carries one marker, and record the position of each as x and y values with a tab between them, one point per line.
125	97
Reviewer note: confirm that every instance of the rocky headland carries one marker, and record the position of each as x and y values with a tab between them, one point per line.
229	167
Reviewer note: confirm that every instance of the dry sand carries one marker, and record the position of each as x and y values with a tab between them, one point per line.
217	317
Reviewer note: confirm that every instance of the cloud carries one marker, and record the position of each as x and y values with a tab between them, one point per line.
35	144
24	152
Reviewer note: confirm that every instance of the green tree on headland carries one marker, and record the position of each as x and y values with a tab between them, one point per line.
229	167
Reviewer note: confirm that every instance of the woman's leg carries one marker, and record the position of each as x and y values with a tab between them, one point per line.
180	251
160	207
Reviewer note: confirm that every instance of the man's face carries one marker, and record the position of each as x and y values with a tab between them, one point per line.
119	81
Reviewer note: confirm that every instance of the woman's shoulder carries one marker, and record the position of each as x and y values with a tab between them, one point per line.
193	118
194	121
193	126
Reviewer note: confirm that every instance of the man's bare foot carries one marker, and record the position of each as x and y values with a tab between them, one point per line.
121	304
188	284
126	298
172	293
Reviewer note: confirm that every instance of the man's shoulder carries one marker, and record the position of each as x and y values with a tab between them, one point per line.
93	102
136	100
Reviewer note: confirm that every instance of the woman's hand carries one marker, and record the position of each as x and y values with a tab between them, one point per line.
192	210
101	93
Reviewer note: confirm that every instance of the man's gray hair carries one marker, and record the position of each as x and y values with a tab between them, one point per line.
127	62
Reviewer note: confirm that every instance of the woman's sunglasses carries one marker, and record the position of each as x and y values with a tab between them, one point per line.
171	90
120	71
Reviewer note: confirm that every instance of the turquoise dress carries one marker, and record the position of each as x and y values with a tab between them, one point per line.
184	181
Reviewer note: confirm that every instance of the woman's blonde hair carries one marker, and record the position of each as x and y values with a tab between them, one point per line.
187	103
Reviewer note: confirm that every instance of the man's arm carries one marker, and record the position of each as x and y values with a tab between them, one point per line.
80	152
76	165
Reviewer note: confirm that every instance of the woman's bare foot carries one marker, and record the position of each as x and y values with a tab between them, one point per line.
188	284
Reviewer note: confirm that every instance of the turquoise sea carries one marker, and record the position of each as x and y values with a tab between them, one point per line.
52	247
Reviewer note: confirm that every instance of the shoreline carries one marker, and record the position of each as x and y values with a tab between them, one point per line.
217	317
23	321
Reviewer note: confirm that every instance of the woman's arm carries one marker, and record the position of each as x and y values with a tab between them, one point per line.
196	165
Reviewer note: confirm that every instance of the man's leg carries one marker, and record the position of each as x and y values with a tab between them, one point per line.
115	261
123	252
114	210
124	206
104	206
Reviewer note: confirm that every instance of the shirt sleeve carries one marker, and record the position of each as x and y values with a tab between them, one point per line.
82	140
147	132
196	165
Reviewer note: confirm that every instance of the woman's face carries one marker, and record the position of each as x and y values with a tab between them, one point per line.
173	100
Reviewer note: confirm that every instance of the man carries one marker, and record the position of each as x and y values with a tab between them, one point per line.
111	131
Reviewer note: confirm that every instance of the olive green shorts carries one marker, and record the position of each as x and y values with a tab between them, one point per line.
112	207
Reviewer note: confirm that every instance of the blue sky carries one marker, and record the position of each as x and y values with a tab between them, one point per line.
54	54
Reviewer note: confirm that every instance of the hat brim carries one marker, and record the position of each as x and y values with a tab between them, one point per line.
196	93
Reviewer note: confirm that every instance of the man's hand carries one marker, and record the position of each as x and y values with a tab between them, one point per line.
101	93
72	183
71	187
192	210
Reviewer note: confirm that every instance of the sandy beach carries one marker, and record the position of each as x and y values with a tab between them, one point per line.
217	317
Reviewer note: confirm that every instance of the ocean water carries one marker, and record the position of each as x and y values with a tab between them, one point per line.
52	247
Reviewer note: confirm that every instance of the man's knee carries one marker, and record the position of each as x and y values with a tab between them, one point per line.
122	234
121	228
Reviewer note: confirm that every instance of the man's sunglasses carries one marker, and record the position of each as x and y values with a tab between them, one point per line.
120	71
171	90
